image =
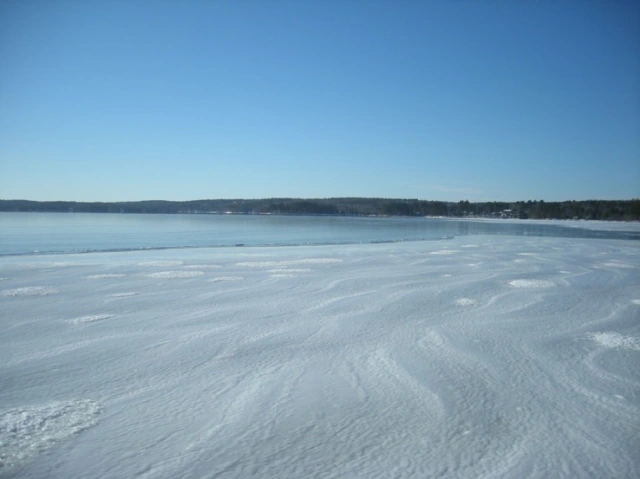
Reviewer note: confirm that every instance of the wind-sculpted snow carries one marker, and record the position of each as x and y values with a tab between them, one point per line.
616	341
501	357
27	432
531	283
125	295
465	302
90	319
203	266
227	278
106	276
29	291
271	264
175	274
290	270
160	263
38	265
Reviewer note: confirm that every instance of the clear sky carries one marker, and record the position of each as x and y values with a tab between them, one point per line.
441	100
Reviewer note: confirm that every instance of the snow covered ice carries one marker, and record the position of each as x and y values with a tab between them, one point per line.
472	357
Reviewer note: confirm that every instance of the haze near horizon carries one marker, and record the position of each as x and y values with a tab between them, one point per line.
126	101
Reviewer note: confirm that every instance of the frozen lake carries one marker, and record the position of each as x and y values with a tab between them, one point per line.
38	233
477	356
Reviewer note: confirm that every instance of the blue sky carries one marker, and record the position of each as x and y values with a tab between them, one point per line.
482	100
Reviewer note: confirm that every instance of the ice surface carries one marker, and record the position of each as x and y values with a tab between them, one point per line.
381	360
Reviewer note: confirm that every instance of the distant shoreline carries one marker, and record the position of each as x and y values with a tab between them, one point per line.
573	222
616	210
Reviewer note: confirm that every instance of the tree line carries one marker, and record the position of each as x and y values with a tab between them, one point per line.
534	209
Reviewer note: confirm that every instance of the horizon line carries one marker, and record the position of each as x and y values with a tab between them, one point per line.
319	198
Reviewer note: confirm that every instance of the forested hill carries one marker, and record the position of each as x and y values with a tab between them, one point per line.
588	209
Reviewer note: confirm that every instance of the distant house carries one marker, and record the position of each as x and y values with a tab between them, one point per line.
508	213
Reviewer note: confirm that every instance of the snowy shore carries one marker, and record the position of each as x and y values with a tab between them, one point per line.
474	357
594	225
